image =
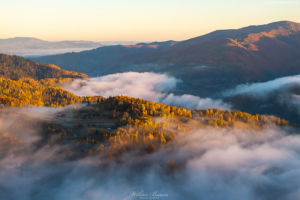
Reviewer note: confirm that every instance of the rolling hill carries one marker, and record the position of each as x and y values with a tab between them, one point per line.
24	82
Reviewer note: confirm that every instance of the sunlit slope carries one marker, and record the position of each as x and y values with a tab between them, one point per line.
24	82
29	92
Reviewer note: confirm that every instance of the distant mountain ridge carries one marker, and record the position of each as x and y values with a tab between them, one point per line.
248	38
230	57
21	40
86	61
27	46
34	43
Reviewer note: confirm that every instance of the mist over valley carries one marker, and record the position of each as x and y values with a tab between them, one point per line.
190	113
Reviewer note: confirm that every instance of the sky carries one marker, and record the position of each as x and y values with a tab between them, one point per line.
136	20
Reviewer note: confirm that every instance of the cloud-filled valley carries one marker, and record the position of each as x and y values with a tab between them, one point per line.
248	160
147	85
158	87
177	116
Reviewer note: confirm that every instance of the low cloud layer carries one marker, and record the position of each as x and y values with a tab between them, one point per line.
263	89
148	86
214	164
273	97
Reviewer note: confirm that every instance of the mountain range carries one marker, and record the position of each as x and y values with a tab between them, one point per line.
207	64
28	46
88	61
34	43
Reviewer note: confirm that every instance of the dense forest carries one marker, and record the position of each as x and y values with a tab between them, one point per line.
15	67
26	91
140	125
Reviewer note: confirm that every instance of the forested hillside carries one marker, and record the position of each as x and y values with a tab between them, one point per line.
135	125
15	67
26	91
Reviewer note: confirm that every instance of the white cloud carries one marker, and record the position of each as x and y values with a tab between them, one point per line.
262	89
148	86
216	164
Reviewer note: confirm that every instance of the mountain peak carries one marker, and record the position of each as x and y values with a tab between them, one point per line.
286	24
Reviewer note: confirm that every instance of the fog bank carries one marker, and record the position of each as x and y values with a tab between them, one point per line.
263	89
147	85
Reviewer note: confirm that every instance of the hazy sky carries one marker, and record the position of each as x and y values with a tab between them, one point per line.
136	20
